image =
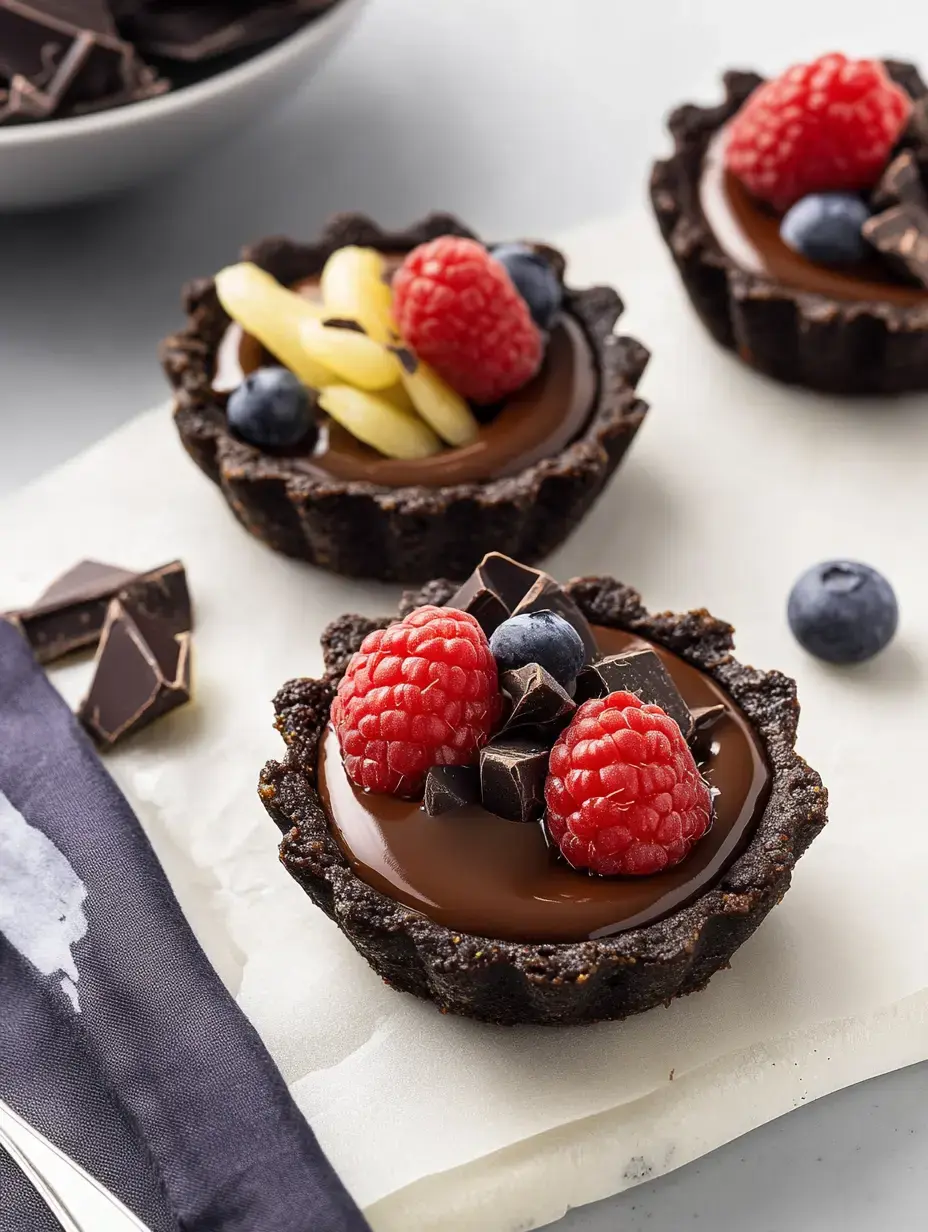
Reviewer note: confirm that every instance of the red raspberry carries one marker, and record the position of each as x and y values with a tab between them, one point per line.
828	126
458	309
623	791
423	692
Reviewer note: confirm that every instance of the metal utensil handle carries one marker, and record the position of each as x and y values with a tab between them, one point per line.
38	1182
15	1134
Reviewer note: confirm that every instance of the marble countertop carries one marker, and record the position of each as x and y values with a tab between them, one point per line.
524	121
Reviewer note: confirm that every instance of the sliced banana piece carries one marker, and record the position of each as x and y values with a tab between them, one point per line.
378	423
438	404
352	356
352	286
400	398
275	316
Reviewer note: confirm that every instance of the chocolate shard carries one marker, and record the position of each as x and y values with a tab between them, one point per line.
512	778
66	58
640	672
196	32
88	579
161	596
142	672
901	235
71	613
487	608
450	787
536	700
501	587
704	720
900	184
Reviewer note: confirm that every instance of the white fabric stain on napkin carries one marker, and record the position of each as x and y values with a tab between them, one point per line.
41	897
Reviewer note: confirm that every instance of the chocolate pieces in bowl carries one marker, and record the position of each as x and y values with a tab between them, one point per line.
526	847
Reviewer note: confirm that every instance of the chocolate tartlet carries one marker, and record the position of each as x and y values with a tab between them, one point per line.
855	330
361	515
474	913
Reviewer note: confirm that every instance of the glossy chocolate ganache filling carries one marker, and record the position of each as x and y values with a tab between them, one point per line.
473	871
536	422
749	233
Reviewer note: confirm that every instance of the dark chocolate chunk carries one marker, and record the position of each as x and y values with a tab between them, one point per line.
536	700
640	672
65	57
512	778
199	31
71	613
516	589
450	787
704	721
900	184
487	608
161	596
901	235
87	580
142	672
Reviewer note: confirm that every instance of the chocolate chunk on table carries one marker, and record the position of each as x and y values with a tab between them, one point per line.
450	787
901	183
512	778
142	672
536	700
901	235
501	587
640	672
71	613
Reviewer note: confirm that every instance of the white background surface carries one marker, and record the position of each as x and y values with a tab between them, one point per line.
525	116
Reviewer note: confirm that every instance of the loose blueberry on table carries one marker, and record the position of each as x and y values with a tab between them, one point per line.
843	612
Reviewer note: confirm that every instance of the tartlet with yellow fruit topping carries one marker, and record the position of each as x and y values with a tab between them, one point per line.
392	404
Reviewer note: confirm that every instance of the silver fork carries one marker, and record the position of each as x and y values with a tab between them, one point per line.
77	1200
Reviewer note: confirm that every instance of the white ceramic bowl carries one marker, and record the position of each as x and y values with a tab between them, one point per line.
61	161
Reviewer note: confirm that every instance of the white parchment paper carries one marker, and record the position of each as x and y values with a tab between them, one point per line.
734	486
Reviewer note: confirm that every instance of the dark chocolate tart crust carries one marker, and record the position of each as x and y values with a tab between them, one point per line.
508	982
400	534
802	338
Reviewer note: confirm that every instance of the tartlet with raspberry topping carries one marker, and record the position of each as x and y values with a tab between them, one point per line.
556	839
796	212
393	404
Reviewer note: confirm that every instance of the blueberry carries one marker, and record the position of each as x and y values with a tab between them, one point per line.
534	279
825	227
539	637
271	408
843	612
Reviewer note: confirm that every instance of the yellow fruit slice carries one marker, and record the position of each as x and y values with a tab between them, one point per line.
378	423
353	287
275	316
399	397
352	356
439	405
